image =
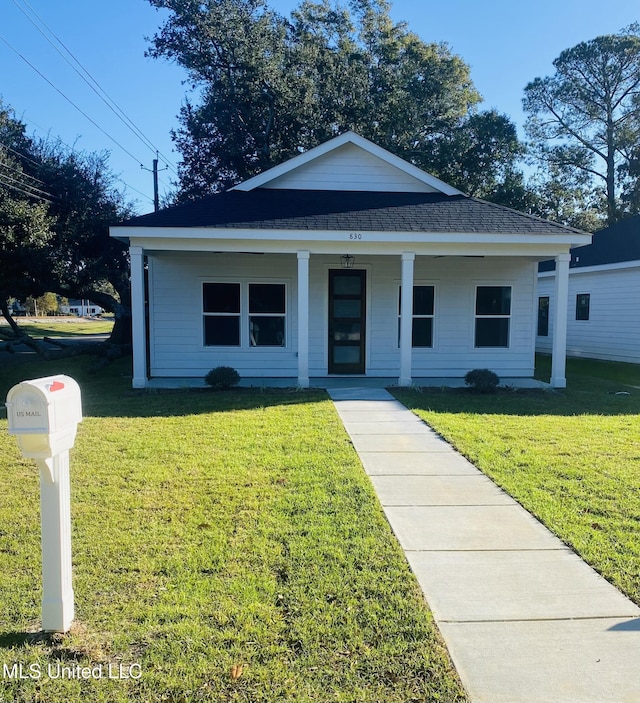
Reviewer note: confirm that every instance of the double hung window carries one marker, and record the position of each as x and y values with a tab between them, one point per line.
244	314
492	316
543	316
221	306
423	315
583	302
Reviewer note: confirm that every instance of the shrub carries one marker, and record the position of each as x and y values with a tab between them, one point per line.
222	378
482	380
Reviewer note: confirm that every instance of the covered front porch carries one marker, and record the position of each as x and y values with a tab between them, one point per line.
415	320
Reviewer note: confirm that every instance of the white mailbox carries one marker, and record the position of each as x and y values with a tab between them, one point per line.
44	414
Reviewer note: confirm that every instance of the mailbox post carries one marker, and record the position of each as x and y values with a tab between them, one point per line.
44	414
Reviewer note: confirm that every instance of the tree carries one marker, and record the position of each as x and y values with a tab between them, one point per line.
586	117
270	87
55	209
479	155
84	262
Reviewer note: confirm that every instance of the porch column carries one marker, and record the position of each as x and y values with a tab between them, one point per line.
406	318
303	319
139	335
561	305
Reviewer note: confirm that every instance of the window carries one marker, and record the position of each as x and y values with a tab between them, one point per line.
492	316
423	314
543	316
221	306
267	314
583	300
237	312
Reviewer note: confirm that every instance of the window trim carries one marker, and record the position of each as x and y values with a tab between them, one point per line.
477	317
414	316
244	315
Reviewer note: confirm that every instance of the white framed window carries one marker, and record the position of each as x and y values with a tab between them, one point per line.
221	310
583	303
492	316
267	314
543	316
423	315
237	314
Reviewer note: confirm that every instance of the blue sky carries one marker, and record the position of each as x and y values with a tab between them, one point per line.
506	43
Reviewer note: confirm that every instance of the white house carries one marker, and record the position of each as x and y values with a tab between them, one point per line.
345	260
81	308
604	297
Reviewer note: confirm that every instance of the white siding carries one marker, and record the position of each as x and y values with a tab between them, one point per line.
612	331
176	317
176	320
349	168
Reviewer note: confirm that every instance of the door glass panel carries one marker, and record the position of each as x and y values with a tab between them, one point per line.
346	355
346	308
346	331
347	285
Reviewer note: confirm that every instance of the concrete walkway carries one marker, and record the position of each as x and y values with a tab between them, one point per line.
525	620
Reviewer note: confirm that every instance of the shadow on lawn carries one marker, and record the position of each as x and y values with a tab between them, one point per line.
586	397
108	393
10	640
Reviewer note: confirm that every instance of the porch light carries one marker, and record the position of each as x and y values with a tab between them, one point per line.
347	261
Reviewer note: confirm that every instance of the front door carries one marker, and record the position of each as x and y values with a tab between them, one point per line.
347	315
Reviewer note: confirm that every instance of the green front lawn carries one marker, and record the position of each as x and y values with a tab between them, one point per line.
229	545
572	458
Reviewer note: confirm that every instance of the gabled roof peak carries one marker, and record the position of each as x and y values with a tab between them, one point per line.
311	169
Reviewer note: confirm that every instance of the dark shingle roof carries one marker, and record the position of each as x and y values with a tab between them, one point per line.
612	245
264	208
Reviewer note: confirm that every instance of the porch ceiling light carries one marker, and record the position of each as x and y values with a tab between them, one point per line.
347	261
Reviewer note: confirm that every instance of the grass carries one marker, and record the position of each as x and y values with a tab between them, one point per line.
228	544
67	327
571	457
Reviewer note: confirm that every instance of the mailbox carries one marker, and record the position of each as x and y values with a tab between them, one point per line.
44	415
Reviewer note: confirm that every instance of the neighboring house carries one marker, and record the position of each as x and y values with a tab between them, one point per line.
81	308
345	260
604	296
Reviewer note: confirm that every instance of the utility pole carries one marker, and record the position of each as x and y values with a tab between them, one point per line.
154	170
156	200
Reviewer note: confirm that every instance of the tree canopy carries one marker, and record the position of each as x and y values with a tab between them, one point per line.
267	87
585	119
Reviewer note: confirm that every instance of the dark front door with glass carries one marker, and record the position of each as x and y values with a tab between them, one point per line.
347	319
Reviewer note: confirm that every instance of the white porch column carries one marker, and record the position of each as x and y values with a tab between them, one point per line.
139	334
406	318
303	319
561	305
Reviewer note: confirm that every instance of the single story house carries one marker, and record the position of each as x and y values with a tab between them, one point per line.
604	297
343	261
81	307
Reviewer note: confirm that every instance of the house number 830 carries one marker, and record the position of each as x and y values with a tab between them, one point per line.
355	235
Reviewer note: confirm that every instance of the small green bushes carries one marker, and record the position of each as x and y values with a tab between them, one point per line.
482	380
222	378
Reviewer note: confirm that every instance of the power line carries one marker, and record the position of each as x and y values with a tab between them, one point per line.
68	99
21	190
92	82
20	173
